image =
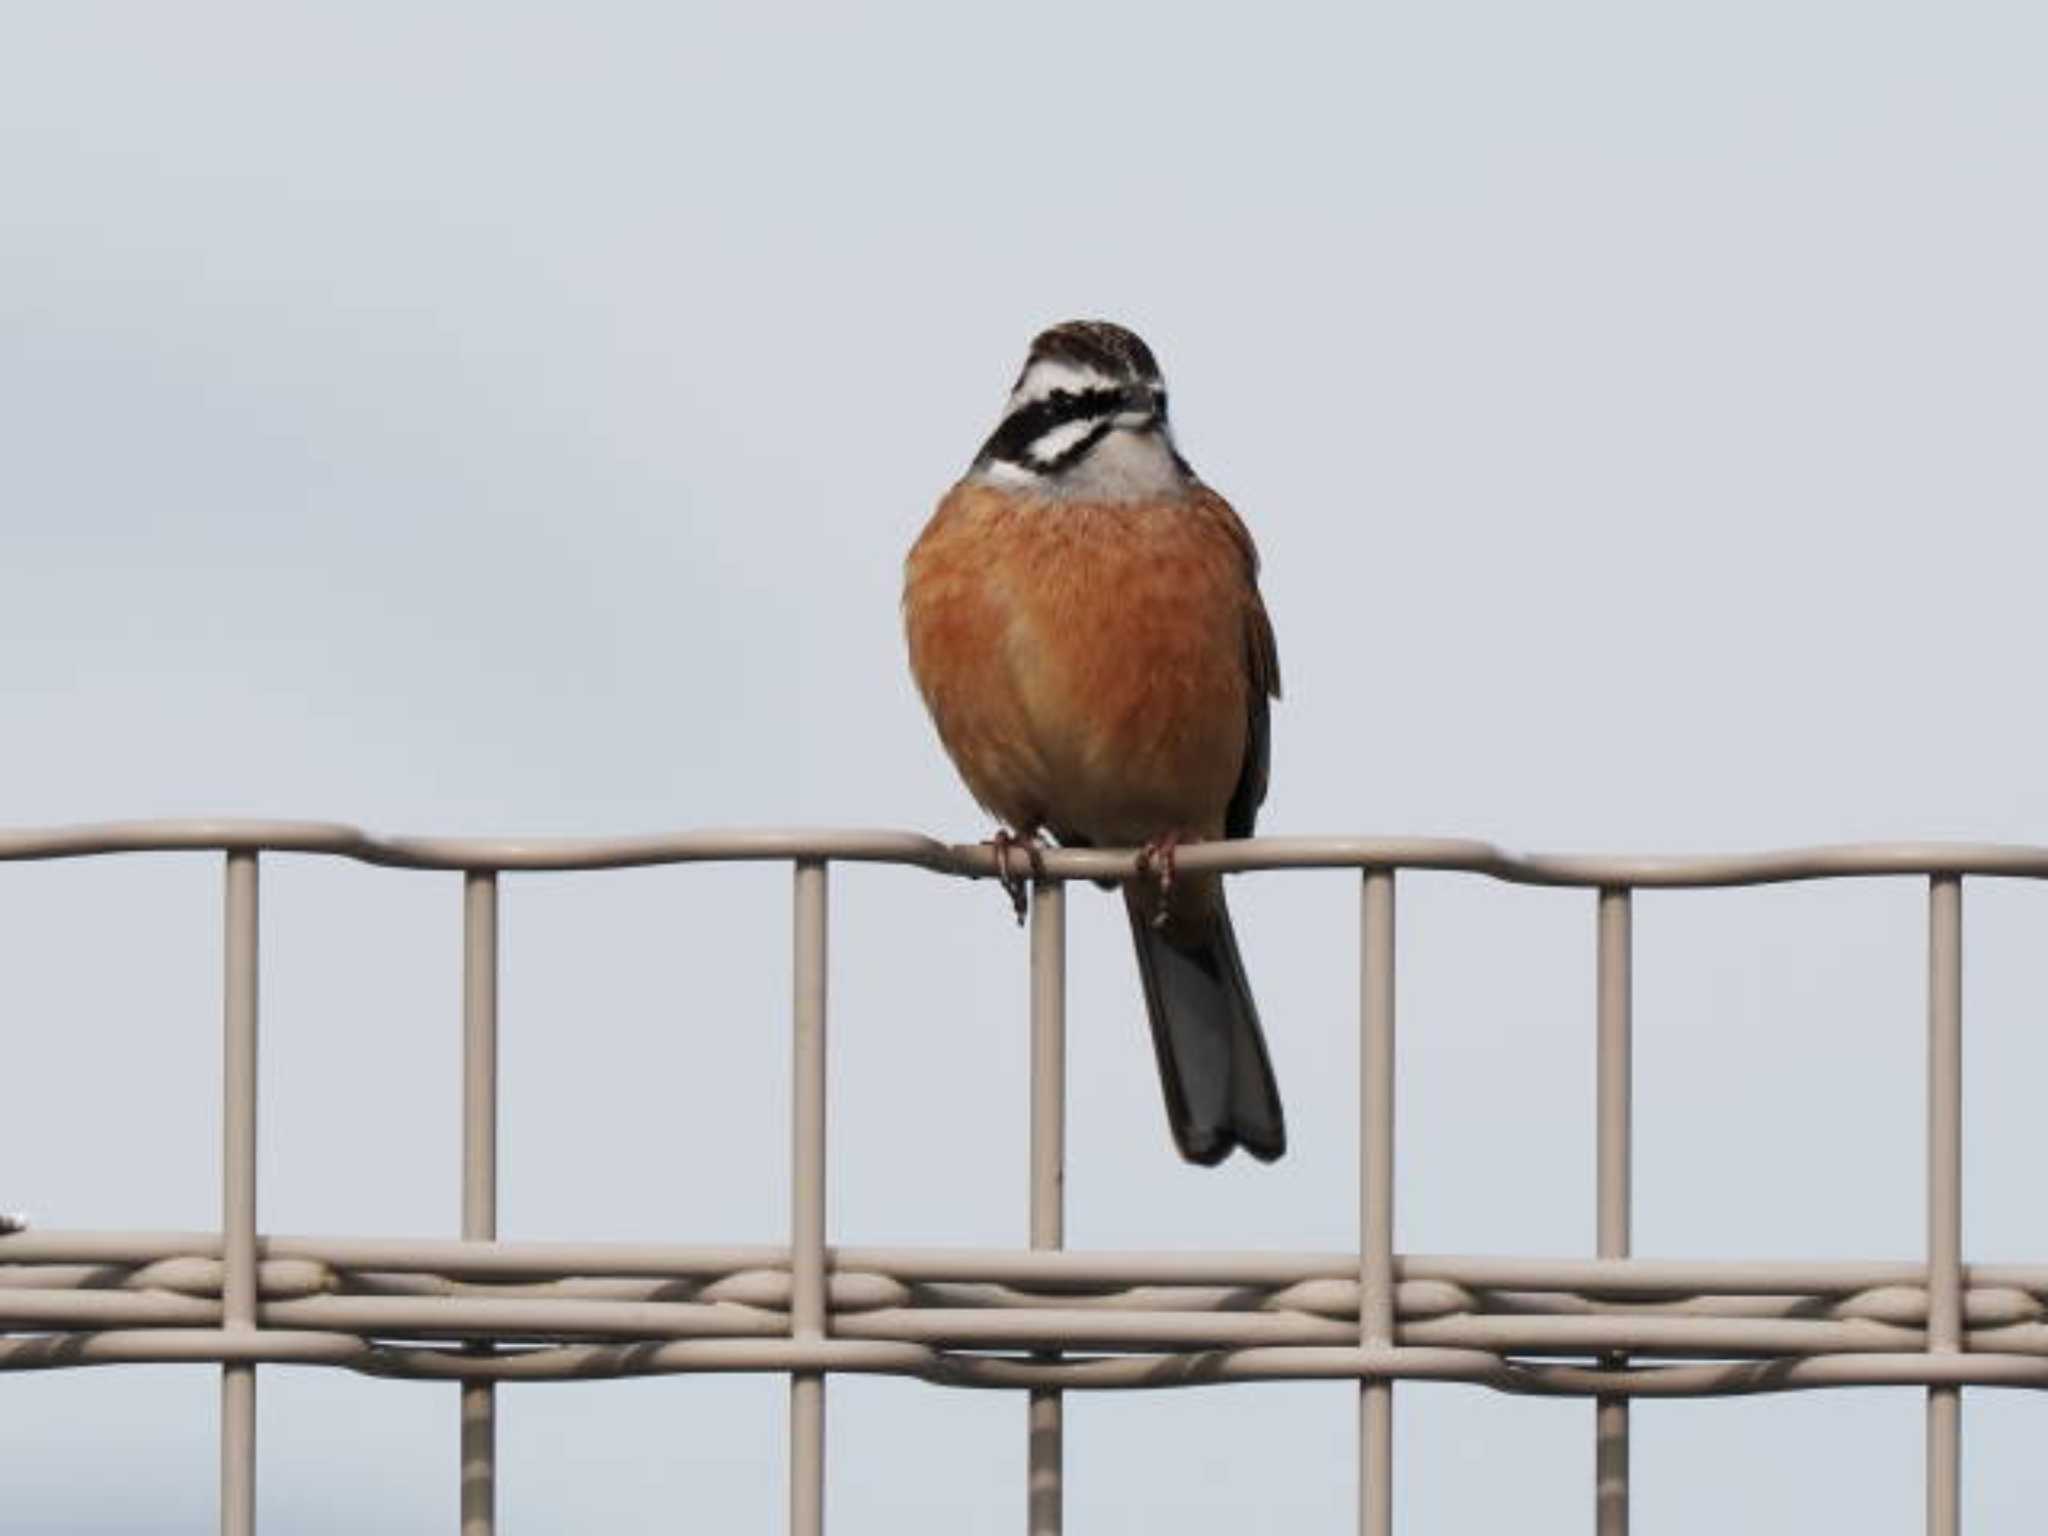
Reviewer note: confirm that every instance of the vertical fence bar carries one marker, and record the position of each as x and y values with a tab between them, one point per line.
1376	1201
238	1196
1045	1508
478	1471
1944	1195
1610	1413
807	1204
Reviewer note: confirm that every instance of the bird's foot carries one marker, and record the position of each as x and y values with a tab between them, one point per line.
1006	845
1156	862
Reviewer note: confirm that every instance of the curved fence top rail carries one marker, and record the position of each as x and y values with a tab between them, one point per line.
975	860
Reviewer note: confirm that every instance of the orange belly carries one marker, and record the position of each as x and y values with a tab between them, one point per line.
1086	662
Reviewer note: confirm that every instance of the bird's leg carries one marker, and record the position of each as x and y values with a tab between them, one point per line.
1005	844
1156	862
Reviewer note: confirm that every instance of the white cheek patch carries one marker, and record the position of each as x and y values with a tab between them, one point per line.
1042	379
1050	445
1003	472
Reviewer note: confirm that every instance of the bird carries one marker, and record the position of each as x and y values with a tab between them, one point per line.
1084	623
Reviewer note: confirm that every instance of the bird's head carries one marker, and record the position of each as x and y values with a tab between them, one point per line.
1087	416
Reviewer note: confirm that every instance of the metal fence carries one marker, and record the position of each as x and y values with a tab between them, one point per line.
1042	1321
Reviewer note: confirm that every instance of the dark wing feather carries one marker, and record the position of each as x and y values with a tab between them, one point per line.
1262	678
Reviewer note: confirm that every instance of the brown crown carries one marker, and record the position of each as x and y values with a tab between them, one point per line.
1100	345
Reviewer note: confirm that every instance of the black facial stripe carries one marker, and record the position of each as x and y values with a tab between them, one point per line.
1012	439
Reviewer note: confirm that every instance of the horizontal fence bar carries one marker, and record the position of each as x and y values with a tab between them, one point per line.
994	1326
1068	1267
188	1291
589	1362
761	1300
979	860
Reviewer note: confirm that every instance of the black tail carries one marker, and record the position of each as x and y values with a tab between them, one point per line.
1220	1092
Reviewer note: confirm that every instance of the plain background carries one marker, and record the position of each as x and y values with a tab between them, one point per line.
511	418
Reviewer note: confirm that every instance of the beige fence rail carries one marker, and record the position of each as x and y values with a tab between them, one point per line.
477	1310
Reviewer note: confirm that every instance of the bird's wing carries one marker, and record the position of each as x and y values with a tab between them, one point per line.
1262	679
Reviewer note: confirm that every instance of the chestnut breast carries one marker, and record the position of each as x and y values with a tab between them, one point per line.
1086	662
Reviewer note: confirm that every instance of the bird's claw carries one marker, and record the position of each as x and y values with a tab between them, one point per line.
1005	845
1156	862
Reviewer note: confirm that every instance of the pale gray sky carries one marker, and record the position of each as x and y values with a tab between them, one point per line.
511	418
